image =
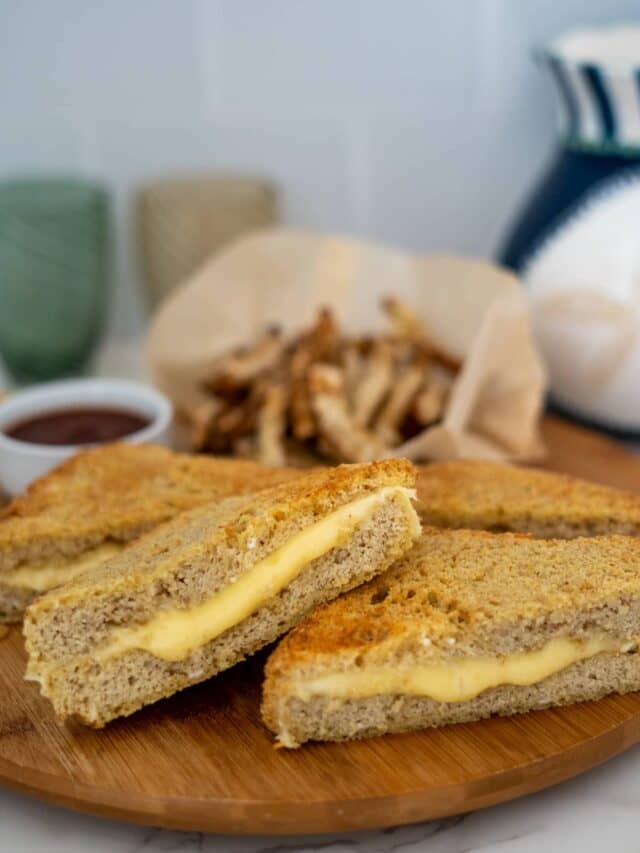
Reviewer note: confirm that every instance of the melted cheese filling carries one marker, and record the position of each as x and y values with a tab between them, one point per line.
458	679
51	573
174	634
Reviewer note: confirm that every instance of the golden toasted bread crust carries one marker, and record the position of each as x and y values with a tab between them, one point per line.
115	492
491	495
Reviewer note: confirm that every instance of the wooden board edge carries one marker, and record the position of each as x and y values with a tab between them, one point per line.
245	817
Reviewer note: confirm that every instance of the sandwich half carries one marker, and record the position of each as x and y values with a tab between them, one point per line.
498	497
84	512
214	585
468	624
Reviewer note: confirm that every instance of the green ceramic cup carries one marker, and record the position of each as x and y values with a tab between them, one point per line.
54	236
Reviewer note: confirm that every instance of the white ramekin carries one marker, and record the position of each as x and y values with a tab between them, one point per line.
21	462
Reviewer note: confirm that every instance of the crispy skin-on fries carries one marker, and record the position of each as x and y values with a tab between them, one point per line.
405	323
374	383
430	402
202	420
343	436
271	425
240	368
352	363
236	420
318	344
324	395
408	326
403	391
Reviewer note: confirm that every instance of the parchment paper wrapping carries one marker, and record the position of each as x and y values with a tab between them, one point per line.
471	309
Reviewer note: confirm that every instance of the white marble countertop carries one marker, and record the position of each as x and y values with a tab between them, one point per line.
596	811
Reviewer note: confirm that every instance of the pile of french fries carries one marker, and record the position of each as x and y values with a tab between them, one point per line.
325	396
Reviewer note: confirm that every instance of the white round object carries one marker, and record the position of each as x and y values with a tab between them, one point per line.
22	462
584	283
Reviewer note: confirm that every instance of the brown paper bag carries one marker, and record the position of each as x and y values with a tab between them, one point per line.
471	309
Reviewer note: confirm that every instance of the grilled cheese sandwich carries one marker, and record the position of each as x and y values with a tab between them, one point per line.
466	625
214	585
175	634
86	510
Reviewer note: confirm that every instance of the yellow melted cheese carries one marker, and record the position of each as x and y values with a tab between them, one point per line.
457	679
51	573
174	634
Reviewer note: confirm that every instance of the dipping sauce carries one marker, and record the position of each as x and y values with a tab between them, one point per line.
78	426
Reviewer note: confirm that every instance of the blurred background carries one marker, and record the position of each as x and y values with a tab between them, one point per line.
415	123
418	123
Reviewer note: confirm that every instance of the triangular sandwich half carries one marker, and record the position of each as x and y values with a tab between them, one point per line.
499	497
84	512
214	585
468	624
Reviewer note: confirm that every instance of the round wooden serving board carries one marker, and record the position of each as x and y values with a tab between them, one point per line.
203	760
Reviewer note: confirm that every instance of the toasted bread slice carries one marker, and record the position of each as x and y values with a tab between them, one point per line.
83	512
468	624
205	590
498	497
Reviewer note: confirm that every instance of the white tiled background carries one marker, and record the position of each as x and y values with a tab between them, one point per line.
416	122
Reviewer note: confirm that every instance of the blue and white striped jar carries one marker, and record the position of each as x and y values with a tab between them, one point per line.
598	97
577	242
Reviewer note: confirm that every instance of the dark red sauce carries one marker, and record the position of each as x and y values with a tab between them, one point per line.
78	426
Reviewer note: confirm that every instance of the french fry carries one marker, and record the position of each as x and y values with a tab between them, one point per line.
230	422
403	392
430	402
345	438
236	420
303	423
324	336
240	368
324	393
202	420
271	425
318	344
407	325
374	384
352	364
